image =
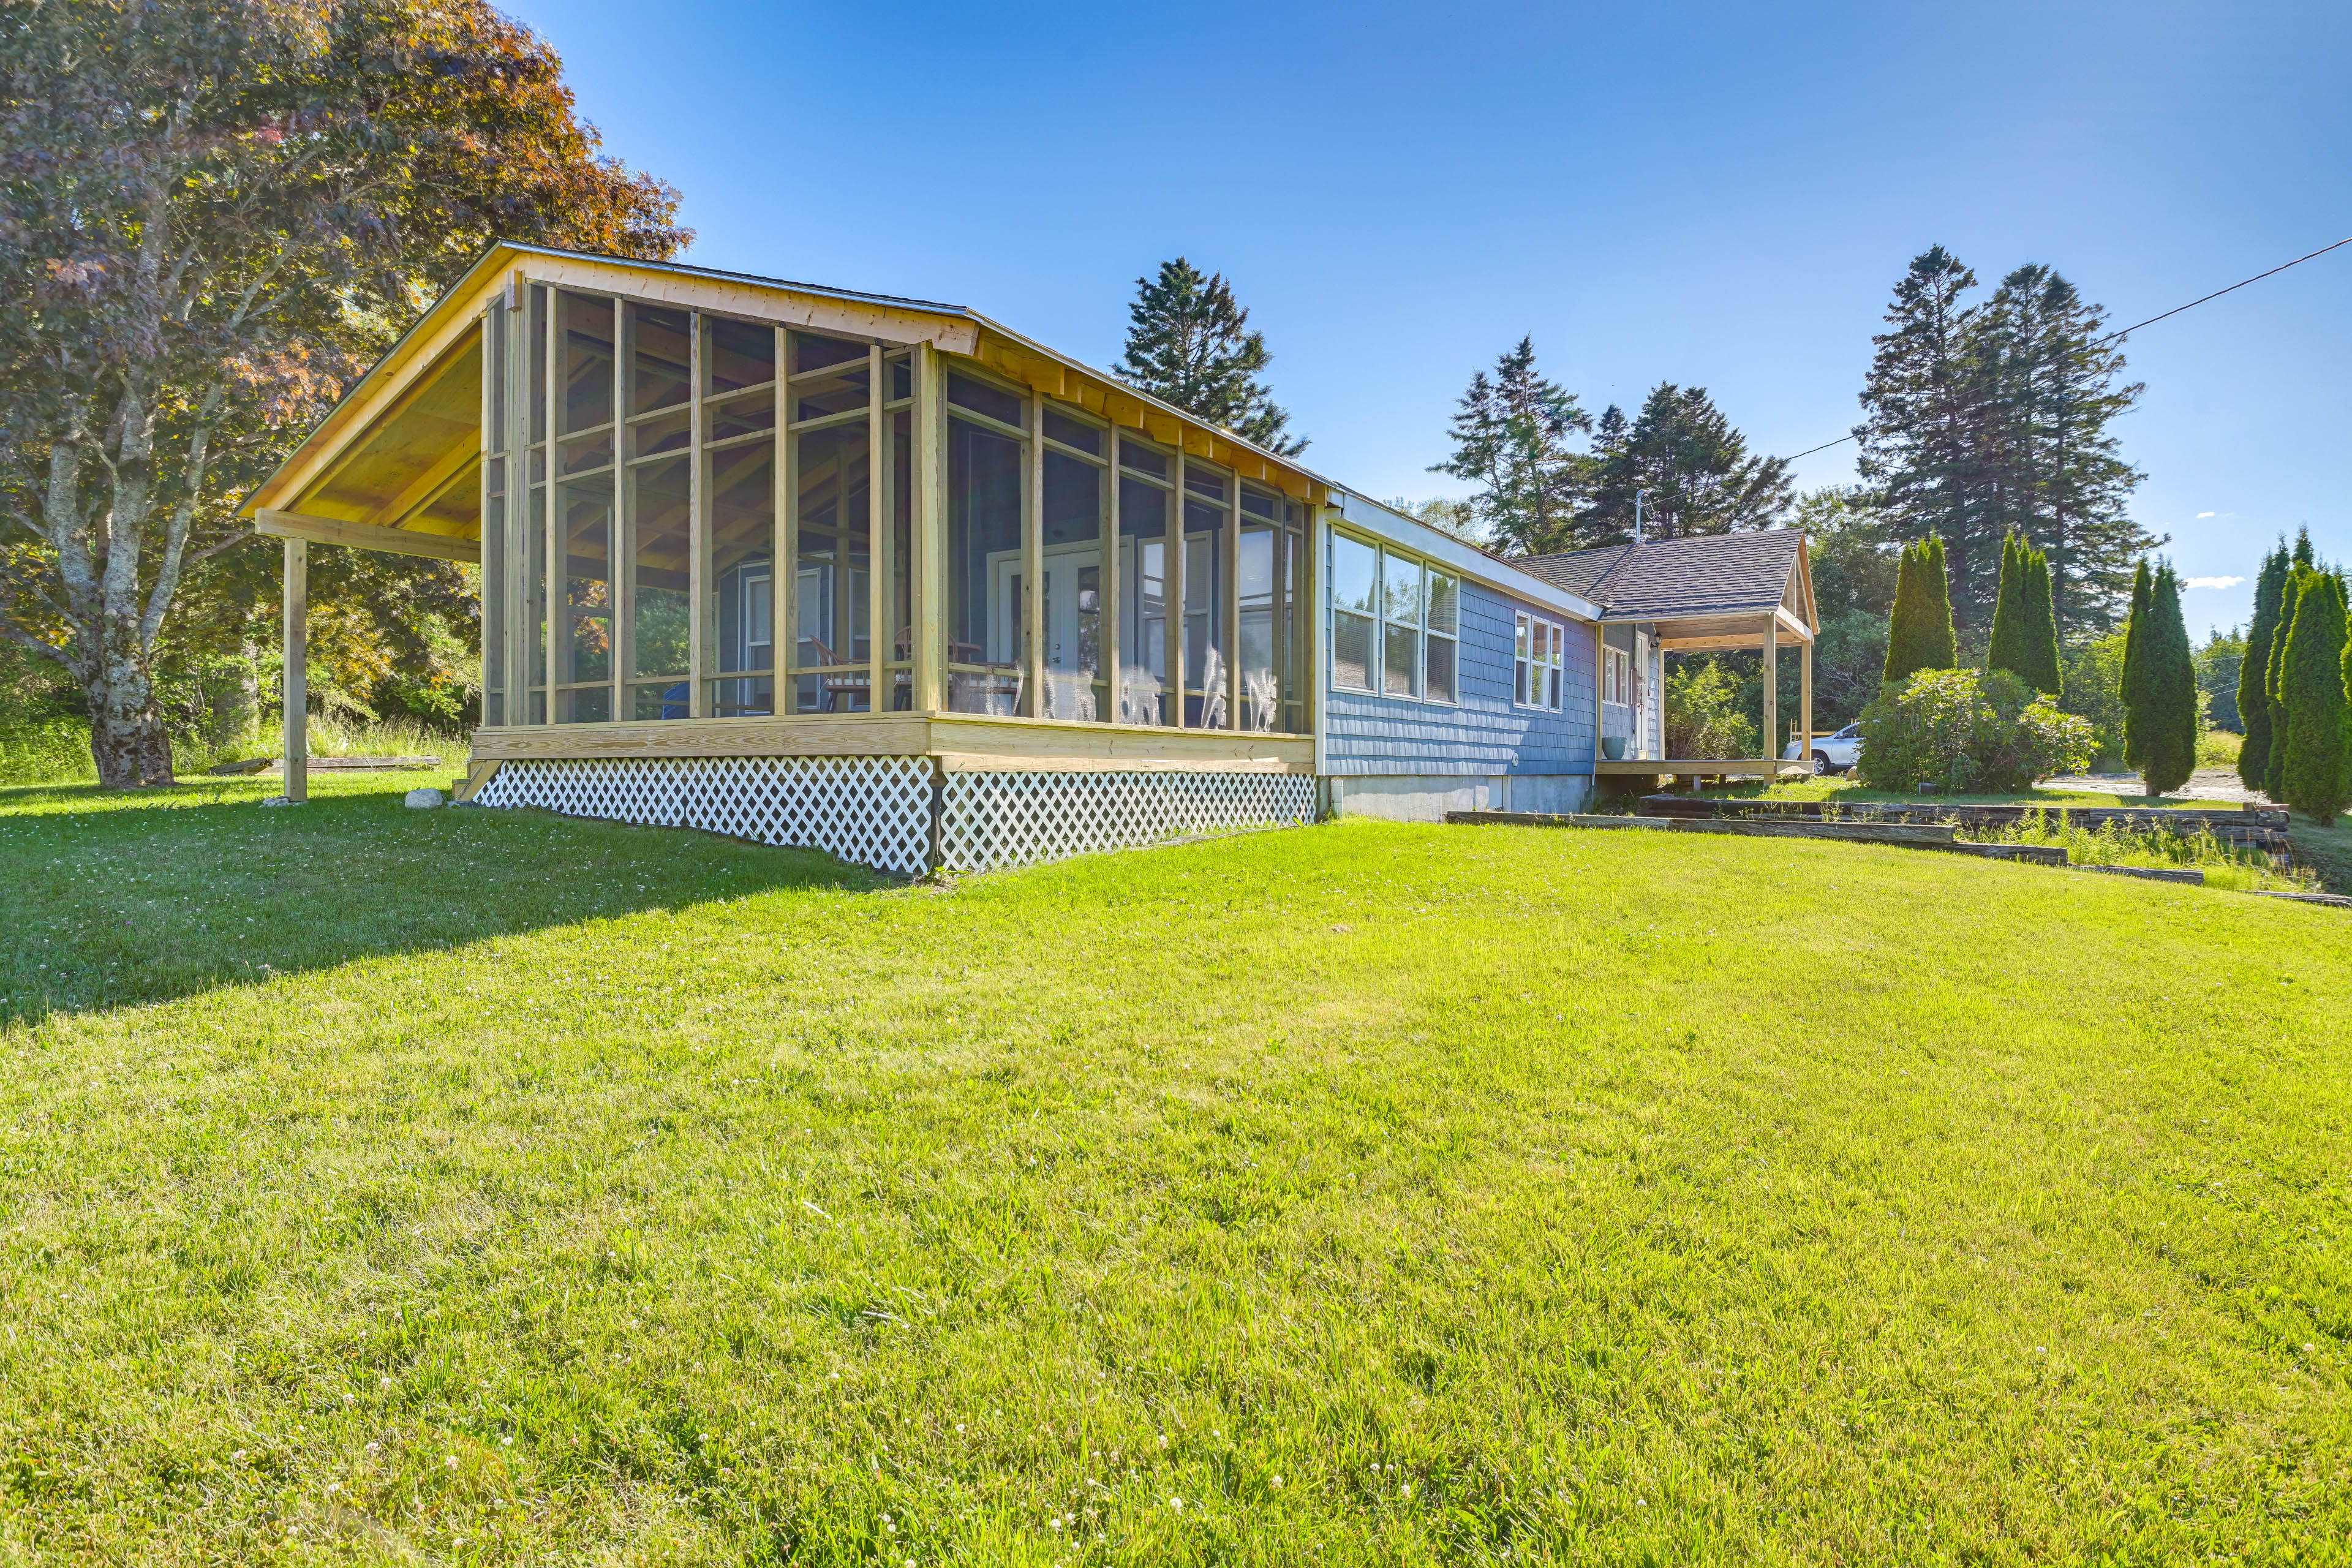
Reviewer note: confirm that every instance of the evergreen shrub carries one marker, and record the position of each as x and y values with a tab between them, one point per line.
1969	731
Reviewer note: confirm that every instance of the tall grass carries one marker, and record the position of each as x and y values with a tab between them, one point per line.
2116	844
57	751
334	736
2217	749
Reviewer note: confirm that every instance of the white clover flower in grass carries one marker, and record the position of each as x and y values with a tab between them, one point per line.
1277	1483
1176	1503
451	1461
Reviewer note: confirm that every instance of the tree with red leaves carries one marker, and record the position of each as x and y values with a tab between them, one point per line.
214	215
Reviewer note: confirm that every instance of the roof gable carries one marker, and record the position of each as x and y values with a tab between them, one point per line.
1705	575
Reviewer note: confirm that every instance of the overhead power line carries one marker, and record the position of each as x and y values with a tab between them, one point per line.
2136	326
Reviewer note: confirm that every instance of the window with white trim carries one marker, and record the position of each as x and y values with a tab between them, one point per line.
1536	662
1395	623
1616	675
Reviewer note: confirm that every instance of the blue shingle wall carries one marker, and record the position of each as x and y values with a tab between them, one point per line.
1366	733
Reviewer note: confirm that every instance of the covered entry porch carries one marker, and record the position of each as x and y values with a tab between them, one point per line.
1711	593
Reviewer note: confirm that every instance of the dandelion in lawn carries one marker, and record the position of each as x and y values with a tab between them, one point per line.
1176	1503
1277	1483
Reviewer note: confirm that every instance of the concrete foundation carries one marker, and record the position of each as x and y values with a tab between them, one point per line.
1427	797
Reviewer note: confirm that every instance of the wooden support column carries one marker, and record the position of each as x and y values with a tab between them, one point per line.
295	682
1805	701
881	513
1032	565
698	584
926	577
1112	648
1771	693
1230	611
1171	581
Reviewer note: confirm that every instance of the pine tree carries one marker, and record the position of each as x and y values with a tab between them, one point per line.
2133	698
2253	674
1510	438
2164	719
1919	634
2312	774
1188	344
1699	474
1922	442
1984	421
2050	470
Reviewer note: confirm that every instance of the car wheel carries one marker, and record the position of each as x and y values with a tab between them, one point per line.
1821	763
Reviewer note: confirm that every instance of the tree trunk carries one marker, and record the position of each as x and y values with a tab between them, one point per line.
127	739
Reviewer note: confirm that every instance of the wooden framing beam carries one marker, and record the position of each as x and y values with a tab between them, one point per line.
433	483
295	525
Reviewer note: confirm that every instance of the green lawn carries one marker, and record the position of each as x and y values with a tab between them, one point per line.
389	1186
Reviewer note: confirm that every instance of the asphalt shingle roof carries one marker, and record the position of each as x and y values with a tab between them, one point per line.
1711	575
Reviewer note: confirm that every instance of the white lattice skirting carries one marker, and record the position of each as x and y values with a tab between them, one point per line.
877	811
1014	819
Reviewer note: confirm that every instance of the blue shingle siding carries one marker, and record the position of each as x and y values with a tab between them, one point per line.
1366	733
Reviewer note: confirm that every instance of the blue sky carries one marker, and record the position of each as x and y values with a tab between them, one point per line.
1718	195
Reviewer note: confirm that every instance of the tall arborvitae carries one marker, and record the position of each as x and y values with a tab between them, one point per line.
1188	343
2164	719
2134	635
2299	576
2253	673
1919	634
2024	630
2007	621
2313	773
2041	669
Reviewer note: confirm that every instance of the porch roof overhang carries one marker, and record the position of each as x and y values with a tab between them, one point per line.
388	466
1720	629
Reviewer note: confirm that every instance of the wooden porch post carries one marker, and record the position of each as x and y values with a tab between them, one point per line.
295	682
1805	701
1771	696
929	575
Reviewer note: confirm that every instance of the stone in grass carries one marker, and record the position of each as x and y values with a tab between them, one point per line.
423	799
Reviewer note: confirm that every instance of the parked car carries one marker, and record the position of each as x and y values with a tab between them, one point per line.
1831	754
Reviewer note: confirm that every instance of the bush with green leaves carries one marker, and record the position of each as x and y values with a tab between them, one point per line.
1703	714
1967	730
